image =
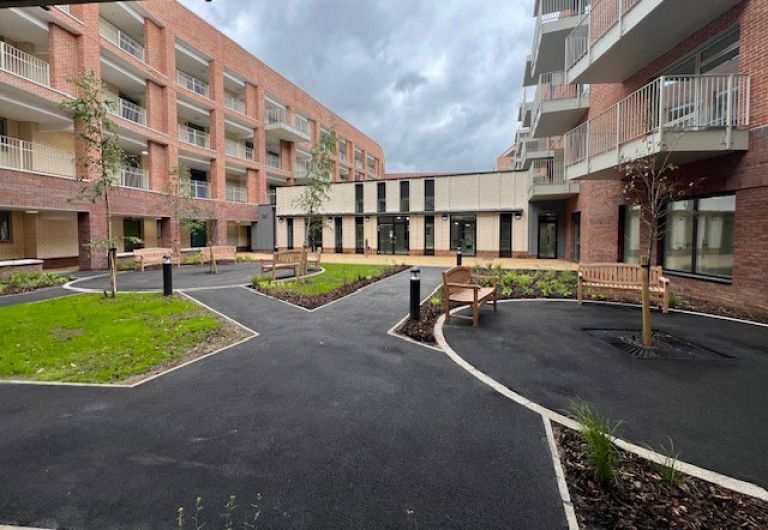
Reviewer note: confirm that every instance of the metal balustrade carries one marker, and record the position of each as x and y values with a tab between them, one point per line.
275	115
238	149
236	193
602	17
199	189
274	161
549	171
134	177
121	39
194	137
27	156
553	10
129	111
234	102
301	123
192	83
22	64
668	104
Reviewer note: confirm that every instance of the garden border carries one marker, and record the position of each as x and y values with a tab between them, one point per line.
719	479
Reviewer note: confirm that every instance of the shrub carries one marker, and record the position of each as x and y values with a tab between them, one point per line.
193	259
525	283
674	300
2	288
240	258
26	281
597	433
127	265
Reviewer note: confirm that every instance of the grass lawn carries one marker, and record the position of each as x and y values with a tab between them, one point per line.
336	275
89	339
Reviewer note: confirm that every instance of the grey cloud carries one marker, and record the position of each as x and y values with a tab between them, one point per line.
435	82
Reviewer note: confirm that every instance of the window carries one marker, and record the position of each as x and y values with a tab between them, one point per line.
405	196
699	236
429	235
359	198
631	246
429	195
381	194
5	227
718	56
289	228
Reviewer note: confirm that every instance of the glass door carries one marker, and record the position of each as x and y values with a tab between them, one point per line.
505	235
338	231
576	235
359	235
393	235
464	234
429	235
386	236
401	242
548	237
132	234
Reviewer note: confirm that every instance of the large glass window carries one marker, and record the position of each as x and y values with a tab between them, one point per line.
5	226
358	198
429	195
699	236
381	194
429	235
289	228
631	234
405	196
464	234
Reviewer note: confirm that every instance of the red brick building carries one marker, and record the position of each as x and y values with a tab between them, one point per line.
644	77
184	95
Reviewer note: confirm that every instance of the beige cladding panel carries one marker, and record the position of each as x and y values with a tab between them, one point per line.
416	232
369	197
348	232
489	193
393	196
442	233
328	234
463	193
442	194
520	234
488	232
417	195
299	231
15	248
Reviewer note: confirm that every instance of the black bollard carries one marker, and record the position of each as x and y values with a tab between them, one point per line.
458	256
167	276
415	294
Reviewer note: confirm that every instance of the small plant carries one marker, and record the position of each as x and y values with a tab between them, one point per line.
674	300
525	283
597	434
193	259
435	301
2	288
127	265
244	258
27	281
668	468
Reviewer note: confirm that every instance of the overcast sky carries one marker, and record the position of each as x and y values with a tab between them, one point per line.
435	82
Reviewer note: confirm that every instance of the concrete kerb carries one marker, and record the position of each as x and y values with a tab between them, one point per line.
719	479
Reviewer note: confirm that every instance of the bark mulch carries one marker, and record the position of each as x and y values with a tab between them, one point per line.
640	500
314	301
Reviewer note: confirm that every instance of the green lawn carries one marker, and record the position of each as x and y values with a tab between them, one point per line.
90	339
336	275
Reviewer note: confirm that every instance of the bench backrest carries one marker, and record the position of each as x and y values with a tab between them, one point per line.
618	273
225	252
151	253
457	275
289	256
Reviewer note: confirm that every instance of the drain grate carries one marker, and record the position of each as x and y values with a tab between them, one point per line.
665	346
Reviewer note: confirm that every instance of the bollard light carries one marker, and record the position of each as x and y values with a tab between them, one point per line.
458	256
167	275
415	293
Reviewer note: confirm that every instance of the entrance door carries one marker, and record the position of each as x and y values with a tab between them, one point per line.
576	235
464	234
359	235
339	235
197	237
132	234
393	235
505	231
548	237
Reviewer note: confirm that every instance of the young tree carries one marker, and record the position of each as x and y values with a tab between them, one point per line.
91	113
186	215
315	192
649	184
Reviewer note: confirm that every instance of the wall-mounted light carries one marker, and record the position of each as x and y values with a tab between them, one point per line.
367	218
280	219
330	218
31	212
518	215
444	217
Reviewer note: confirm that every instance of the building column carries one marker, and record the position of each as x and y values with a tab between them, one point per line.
157	105
154	46
256	186
62	58
91	227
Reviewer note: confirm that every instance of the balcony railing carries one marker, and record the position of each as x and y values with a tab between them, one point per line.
551	11
192	83
274	161
603	15
235	103
120	39
199	189
26	156
134	177
550	171
301	123
553	86
674	104
194	137
236	193
275	115
22	64
129	111
238	149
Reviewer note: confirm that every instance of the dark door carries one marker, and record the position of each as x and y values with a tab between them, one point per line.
393	235
505	235
197	237
576	236
429	235
464	234
548	237
133	234
289	229
339	235
359	235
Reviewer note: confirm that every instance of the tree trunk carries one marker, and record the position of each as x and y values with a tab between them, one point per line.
213	267
112	252
646	297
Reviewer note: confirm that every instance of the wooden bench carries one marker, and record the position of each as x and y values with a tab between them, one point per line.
153	256
220	253
286	259
624	277
462	288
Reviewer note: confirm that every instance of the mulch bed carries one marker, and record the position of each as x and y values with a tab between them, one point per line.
640	500
315	301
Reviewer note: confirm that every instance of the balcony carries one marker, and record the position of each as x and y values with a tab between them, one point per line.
558	106
277	127
555	19
693	117
236	193
24	65
234	103
274	161
547	180
134	177
36	158
120	39
192	83
129	111
524	113
620	37
199	189
194	137
531	149
238	149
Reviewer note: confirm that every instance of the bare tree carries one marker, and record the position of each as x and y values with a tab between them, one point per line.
91	113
